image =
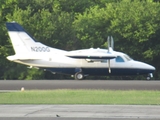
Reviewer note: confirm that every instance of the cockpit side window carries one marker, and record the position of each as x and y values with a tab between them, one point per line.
119	59
127	57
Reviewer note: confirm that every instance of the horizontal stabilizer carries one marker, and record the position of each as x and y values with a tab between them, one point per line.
24	57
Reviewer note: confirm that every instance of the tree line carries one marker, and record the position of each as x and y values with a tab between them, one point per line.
79	24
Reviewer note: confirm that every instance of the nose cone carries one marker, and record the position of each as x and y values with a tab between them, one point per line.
146	68
150	68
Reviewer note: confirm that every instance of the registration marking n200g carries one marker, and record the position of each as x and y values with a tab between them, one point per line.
40	49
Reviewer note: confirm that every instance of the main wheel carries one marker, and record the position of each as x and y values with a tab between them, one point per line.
79	76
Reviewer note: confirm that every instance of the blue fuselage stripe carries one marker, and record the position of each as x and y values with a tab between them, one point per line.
102	71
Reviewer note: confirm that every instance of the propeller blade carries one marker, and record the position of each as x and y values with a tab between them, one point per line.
109	67
108	40
110	49
112	43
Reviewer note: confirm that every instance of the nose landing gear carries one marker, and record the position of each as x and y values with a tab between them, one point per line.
150	75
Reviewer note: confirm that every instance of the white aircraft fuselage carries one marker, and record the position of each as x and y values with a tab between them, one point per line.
80	63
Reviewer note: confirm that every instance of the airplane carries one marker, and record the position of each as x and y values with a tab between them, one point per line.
80	63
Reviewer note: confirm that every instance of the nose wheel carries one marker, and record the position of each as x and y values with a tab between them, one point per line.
79	76
149	76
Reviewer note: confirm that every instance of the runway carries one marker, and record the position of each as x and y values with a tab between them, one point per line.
74	84
79	112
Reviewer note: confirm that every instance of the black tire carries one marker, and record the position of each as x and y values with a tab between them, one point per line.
148	78
79	76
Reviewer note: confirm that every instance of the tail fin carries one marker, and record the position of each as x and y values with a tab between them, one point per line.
22	42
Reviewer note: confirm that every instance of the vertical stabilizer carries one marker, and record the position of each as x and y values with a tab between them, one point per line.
22	42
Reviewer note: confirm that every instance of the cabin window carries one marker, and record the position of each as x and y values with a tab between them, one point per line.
119	59
96	60
89	60
103	61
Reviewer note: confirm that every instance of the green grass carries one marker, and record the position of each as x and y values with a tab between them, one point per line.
119	97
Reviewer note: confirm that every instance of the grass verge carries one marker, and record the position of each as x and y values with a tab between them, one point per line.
118	97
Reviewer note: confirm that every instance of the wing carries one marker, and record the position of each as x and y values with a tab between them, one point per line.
91	54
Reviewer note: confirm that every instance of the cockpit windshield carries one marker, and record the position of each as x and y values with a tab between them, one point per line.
119	59
127	57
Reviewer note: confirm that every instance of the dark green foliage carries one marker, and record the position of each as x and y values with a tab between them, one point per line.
76	24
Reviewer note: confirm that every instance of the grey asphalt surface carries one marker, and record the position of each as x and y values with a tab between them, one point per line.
74	84
79	112
96	112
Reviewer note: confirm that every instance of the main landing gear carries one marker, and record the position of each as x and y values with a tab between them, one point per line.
79	76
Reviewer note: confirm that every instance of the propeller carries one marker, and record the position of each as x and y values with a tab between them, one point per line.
110	49
110	43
